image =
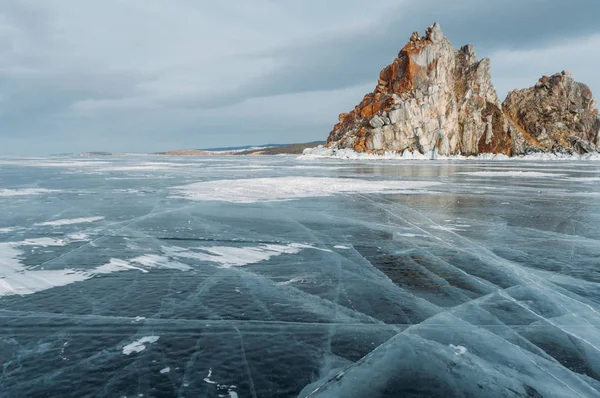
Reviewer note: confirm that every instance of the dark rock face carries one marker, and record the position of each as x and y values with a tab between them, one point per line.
434	97
557	114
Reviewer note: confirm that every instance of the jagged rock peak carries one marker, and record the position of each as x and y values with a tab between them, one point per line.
435	97
557	114
431	96
433	34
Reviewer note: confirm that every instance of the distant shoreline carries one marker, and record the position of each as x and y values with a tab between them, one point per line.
285	149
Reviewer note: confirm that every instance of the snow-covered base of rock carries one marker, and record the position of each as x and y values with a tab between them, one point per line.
321	152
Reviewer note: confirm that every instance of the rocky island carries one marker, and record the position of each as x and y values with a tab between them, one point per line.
435	99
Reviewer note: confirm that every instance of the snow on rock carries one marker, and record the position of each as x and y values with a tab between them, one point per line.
321	152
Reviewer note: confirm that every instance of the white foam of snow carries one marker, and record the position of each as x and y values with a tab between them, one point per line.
513	173
70	221
24	192
288	188
139	345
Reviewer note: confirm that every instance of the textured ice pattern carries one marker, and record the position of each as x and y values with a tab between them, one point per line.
282	277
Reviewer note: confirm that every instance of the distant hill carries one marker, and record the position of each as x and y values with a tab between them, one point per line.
267	149
99	153
289	149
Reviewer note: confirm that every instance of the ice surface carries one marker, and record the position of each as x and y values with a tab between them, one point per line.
278	276
286	188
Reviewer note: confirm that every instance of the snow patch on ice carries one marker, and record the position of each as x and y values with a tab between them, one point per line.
42	242
410	235
289	188
145	263
71	221
16	279
165	370
139	345
78	236
459	350
7	230
341	247
294	280
24	192
156	261
513	173
116	265
228	256
207	378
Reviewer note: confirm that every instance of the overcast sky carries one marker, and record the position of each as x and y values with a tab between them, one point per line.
154	75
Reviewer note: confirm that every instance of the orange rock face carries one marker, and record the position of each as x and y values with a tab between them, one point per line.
433	97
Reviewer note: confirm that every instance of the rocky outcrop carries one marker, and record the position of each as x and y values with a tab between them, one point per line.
433	97
558	114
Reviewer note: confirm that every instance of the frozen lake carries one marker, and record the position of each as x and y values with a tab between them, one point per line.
273	276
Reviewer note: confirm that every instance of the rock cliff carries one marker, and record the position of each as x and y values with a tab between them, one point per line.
558	114
433	97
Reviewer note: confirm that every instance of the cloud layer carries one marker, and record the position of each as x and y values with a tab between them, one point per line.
78	76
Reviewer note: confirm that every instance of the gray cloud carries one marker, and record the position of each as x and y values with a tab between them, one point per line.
149	75
338	61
